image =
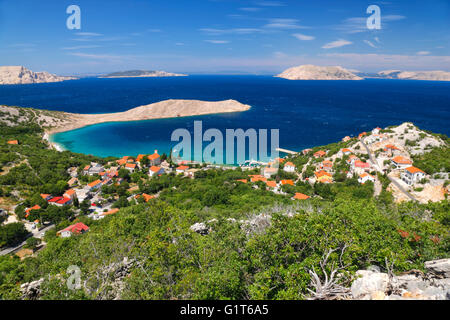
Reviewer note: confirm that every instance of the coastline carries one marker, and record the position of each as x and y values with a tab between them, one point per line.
53	145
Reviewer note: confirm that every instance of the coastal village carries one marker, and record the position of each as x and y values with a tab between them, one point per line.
367	157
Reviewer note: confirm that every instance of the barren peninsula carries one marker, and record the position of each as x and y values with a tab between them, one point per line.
159	110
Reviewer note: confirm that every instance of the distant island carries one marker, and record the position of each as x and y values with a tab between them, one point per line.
415	75
57	121
311	72
141	74
22	75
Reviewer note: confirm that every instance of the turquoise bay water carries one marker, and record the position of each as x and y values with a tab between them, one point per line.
307	113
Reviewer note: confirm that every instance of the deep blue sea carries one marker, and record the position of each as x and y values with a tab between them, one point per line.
307	113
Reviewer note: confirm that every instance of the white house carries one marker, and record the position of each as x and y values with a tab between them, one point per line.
363	178
289	167
77	228
400	162
268	172
130	167
412	175
155	171
181	169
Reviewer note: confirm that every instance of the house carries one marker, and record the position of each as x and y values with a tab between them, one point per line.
400	162
300	196
121	162
60	201
46	197
86	169
412	175
284	182
364	177
130	167
154	170
306	151
94	185
327	165
257	177
191	172
72	182
140	157
346	151
289	167
36	207
346	138
323	176
155	159
13	142
73	172
319	154
376	130
268	172
390	149
77	228
71	194
95	168
271	184
181	169
146	197
242	180
362	134
351	159
361	164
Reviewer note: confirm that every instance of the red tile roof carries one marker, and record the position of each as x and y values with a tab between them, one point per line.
76	228
301	196
413	170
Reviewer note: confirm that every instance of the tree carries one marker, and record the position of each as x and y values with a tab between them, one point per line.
12	234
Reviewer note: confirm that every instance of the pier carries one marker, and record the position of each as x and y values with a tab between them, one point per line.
286	151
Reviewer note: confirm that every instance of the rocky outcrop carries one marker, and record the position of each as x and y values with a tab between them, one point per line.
415	75
31	290
375	285
311	72
22	75
200	228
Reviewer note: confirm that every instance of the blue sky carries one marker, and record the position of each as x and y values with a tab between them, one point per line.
224	36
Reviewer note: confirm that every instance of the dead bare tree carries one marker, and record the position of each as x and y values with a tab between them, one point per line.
329	287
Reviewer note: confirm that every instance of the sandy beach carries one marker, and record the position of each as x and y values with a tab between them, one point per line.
158	110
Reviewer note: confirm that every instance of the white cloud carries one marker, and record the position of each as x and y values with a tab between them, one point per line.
250	9
283	24
359	24
213	31
336	44
218	41
370	43
423	53
270	3
303	37
88	34
80	47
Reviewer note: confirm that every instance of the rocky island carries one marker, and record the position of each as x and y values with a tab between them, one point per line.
415	75
142	74
22	75
311	72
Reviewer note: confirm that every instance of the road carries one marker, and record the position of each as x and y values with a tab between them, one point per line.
375	165
17	248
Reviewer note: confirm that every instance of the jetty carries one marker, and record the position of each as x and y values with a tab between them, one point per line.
286	151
